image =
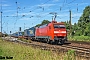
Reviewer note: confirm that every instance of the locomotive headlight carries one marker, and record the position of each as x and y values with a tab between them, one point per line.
63	31
56	32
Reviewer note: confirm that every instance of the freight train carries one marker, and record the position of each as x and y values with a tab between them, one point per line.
53	32
17	34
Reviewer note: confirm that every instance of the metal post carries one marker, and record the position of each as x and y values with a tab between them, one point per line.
24	26
1	18
10	34
70	22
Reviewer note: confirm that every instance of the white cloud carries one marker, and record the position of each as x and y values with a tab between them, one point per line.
41	6
77	4
5	5
46	5
9	10
83	4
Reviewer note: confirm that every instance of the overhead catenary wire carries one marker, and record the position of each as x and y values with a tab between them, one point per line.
36	9
38	16
63	5
65	1
41	7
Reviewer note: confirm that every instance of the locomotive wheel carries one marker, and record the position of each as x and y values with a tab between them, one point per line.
48	41
62	42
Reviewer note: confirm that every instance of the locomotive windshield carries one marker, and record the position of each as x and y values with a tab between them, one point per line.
59	26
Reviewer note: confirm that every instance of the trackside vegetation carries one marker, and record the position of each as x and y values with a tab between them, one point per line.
22	52
80	31
82	27
79	38
25	40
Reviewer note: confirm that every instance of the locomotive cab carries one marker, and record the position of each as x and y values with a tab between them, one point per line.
60	33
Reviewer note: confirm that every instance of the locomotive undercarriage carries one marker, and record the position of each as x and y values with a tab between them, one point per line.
60	39
57	39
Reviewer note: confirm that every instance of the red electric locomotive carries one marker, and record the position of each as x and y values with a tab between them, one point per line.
52	32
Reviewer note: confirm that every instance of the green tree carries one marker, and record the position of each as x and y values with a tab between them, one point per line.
43	22
67	25
84	22
37	25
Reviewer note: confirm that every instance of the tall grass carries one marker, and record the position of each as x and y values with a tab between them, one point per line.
23	52
79	38
70	55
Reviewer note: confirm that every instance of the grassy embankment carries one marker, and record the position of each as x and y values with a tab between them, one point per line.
23	52
79	38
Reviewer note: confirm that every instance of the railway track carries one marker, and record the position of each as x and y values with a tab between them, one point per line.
79	51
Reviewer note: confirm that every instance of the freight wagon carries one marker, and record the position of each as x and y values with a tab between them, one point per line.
17	34
29	33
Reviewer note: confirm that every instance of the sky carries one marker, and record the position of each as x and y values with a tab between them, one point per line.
28	13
